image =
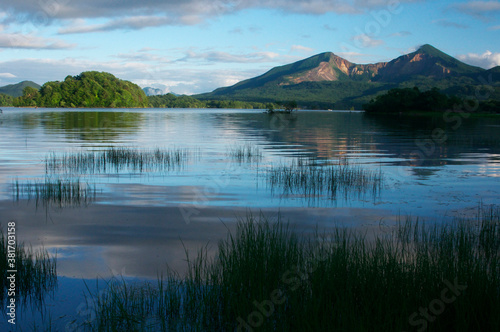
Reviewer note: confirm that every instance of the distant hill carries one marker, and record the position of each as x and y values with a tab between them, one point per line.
329	81
16	90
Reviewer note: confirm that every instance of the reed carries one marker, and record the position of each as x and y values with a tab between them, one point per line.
332	181
58	192
246	153
265	277
35	277
117	160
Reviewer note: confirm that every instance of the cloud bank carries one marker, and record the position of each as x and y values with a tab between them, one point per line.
128	14
479	9
29	41
486	60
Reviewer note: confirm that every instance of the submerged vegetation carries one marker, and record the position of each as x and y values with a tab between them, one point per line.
245	153
35	276
58	192
117	160
266	277
332	181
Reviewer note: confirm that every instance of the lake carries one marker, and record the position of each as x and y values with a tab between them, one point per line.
133	217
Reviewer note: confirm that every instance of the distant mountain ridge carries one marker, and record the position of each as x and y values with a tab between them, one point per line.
16	90
328	80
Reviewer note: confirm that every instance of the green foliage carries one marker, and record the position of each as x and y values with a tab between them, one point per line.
234	104
172	101
89	89
5	100
290	106
312	95
489	106
412	99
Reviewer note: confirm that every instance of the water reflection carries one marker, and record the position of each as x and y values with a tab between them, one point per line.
405	149
95	126
141	219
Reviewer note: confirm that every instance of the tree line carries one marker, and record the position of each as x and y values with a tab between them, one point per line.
170	100
413	100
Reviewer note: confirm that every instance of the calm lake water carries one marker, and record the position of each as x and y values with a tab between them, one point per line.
132	221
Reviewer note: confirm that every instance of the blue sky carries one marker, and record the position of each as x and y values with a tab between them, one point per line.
195	46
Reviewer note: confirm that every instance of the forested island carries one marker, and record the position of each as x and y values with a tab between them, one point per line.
89	89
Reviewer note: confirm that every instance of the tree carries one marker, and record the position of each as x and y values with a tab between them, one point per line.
290	106
5	100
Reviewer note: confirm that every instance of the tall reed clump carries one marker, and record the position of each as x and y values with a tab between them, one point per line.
245	153
443	277
118	159
35	277
59	192
332	181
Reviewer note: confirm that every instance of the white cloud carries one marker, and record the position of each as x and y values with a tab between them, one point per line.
478	9
129	23
401	34
218	56
300	48
166	12
486	60
7	75
450	24
183	80
29	41
364	40
143	56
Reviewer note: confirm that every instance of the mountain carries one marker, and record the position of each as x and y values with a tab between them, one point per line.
427	61
329	81
16	90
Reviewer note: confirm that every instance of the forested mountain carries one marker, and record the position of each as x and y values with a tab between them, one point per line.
89	89
329	81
